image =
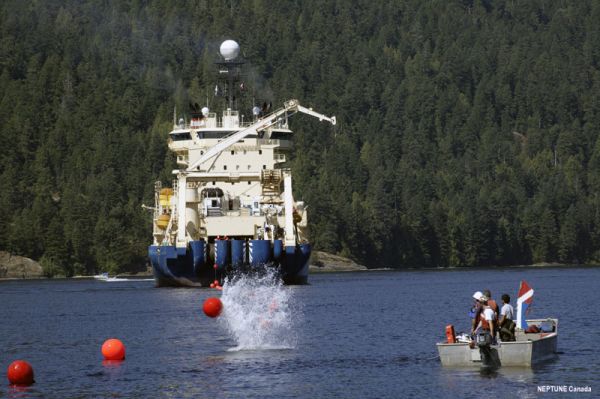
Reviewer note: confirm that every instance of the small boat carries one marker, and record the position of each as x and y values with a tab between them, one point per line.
106	277
527	350
534	341
102	276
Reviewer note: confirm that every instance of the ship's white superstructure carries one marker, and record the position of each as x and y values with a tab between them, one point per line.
231	180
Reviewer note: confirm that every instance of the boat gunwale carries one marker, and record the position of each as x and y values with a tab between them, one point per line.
543	336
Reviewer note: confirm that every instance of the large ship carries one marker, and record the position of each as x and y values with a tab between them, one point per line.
230	206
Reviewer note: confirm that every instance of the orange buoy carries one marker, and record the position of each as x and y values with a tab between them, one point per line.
113	349
20	372
212	307
219	288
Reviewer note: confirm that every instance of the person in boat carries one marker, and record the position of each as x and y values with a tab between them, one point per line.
475	311
506	324
487	318
491	302
507	312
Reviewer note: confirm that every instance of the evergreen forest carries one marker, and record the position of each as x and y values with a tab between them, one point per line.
468	130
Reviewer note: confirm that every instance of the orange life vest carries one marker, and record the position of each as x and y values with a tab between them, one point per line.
485	325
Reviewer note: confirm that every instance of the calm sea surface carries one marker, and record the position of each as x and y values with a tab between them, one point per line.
354	335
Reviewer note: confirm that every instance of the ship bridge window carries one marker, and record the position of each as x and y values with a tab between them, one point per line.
211	192
181	136
213	135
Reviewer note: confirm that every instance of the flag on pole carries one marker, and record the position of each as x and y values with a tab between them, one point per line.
524	300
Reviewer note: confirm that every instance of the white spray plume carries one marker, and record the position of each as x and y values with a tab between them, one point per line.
258	312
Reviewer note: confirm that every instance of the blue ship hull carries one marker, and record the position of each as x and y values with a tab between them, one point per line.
200	263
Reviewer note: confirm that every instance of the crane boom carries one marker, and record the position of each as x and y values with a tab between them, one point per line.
259	125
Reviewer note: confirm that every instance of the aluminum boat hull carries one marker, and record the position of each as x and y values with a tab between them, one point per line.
528	350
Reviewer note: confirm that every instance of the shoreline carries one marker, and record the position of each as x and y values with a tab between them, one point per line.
333	269
324	262
321	262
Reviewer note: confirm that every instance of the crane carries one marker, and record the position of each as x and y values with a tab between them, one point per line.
260	125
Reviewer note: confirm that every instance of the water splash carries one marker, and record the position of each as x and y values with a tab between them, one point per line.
258	312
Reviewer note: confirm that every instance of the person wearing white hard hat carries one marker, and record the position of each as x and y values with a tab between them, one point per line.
487	318
475	311
491	302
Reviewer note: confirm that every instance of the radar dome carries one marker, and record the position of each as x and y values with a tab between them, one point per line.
205	111
230	49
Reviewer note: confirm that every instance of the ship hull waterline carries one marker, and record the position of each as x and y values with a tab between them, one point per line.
199	264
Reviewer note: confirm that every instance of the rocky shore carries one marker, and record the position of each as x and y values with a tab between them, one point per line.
326	262
13	266
19	267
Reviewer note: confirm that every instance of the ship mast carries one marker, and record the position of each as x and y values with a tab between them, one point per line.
229	71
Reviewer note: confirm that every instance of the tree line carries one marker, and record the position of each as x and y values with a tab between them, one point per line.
467	136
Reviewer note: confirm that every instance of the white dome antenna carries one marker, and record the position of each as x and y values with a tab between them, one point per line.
230	49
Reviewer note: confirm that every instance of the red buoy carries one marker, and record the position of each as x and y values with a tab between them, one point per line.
212	285
20	373
113	349
215	266
212	307
216	282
